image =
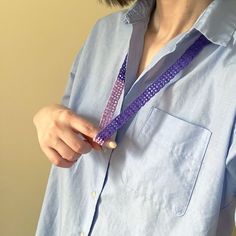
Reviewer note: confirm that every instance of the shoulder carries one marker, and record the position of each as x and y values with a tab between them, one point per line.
109	23
106	41
108	35
230	57
231	50
114	17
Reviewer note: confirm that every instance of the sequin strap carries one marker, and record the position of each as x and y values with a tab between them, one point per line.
114	97
108	125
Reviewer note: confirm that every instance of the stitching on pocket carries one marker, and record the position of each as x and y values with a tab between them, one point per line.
187	188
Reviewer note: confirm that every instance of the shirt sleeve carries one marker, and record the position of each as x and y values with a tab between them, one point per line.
74	68
66	97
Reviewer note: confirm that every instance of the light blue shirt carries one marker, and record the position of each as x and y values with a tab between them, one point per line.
174	170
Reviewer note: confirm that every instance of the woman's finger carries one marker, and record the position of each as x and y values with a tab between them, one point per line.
56	159
64	150
80	124
75	141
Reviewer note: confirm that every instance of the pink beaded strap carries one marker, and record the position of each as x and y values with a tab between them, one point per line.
114	97
108	125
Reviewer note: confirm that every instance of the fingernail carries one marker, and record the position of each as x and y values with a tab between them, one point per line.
111	144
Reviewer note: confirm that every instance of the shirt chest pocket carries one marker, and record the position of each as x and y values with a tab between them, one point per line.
165	161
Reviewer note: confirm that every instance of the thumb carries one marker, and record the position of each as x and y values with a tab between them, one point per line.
89	131
108	143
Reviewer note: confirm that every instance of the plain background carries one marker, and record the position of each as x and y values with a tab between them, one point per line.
38	43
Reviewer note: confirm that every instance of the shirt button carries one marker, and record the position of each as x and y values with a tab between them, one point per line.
81	233
93	194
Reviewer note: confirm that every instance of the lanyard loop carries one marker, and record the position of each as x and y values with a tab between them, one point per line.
108	125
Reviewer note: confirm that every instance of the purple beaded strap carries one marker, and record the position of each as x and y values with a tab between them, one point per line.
111	126
114	97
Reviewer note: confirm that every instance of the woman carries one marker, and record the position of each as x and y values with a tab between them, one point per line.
166	164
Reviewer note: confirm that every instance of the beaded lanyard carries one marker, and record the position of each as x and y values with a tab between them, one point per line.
108	125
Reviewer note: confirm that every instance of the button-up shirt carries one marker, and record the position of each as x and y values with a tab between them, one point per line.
173	172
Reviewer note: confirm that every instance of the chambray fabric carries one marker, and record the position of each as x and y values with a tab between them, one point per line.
174	170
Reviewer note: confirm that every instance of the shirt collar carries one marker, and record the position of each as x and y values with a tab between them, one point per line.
217	22
140	10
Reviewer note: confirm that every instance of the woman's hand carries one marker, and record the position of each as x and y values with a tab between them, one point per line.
63	135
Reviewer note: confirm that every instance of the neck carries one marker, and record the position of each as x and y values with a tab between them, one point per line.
172	17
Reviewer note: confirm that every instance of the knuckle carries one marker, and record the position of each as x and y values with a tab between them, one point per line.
43	144
67	154
48	136
69	157
77	148
76	157
72	157
64	115
60	163
50	140
89	129
46	140
55	143
56	162
53	126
